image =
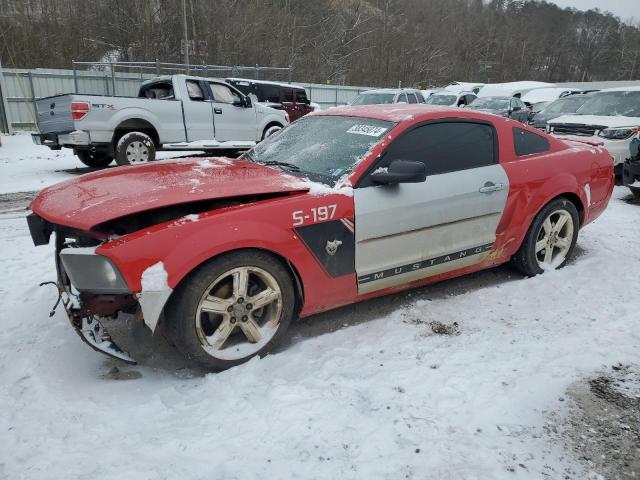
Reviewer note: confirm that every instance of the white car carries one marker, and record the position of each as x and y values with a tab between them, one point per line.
389	95
539	98
451	99
611	116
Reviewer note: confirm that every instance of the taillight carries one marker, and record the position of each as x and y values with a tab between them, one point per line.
79	110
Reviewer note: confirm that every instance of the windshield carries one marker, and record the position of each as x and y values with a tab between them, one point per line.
491	103
612	104
323	148
566	105
374	98
442	99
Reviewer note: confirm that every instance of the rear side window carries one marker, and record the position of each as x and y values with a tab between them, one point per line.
287	95
528	143
271	93
420	98
446	147
402	98
412	98
301	96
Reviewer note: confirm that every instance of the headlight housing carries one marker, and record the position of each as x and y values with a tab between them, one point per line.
90	272
618	133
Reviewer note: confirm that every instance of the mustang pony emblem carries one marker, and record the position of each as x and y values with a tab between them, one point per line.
332	247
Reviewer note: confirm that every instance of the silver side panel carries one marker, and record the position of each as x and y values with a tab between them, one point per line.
445	222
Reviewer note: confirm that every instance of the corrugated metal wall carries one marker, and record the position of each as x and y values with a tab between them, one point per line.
20	87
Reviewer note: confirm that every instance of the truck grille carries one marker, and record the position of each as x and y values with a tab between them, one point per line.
576	129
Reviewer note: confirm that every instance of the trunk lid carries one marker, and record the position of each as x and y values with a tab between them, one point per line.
103	196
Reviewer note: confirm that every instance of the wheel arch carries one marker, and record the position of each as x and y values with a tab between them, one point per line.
135	124
296	278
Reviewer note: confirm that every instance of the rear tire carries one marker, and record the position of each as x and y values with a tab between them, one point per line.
551	239
231	309
93	159
635	191
135	148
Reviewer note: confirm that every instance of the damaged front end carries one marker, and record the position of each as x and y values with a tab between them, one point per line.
90	287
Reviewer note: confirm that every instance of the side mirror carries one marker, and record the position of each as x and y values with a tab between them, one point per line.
400	171
247	102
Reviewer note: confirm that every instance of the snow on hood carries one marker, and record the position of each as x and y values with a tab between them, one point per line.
99	197
606	120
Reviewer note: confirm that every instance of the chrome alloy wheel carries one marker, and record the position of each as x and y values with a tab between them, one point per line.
239	313
554	240
137	152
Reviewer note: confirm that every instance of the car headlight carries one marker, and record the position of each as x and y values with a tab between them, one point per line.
618	133
90	272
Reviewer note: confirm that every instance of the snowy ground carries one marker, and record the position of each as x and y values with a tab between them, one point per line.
382	397
25	166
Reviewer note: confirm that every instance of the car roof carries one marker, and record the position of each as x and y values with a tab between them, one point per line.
403	112
390	90
497	97
264	82
622	89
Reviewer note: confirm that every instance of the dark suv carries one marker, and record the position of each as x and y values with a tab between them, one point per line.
283	96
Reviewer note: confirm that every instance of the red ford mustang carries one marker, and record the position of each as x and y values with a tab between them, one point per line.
339	207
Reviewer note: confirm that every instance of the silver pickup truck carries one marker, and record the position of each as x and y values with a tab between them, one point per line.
175	112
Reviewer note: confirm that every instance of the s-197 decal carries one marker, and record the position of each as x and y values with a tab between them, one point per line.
314	215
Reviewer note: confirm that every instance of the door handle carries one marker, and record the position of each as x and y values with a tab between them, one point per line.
490	187
217	110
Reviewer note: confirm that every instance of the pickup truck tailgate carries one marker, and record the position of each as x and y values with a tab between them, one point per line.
54	114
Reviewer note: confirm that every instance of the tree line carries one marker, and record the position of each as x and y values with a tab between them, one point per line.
353	42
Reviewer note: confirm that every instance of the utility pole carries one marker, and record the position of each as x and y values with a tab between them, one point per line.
186	35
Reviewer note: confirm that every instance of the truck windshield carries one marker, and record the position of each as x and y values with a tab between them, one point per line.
323	148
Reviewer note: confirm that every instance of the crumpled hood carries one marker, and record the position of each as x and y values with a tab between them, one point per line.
602	120
95	198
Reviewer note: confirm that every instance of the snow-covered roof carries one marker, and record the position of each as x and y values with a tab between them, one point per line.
511	88
622	89
462	86
546	94
266	82
390	90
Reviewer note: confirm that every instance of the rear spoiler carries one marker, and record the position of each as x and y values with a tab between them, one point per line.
573	138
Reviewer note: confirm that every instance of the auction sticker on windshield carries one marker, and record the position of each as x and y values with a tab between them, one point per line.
369	130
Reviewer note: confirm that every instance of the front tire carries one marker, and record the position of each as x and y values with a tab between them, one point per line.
551	239
271	130
231	309
93	159
135	148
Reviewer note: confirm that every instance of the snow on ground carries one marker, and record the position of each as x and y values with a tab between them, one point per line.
25	166
386	399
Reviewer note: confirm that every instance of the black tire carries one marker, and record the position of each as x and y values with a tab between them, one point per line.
525	259
635	191
144	146
93	159
182	308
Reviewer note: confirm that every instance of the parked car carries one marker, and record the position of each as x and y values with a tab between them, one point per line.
539	98
631	167
611	116
429	91
562	106
389	95
341	206
283	96
451	99
176	112
509	107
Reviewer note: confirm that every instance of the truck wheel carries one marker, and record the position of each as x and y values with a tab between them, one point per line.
550	240
635	191
231	309
93	159
135	148
271	130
